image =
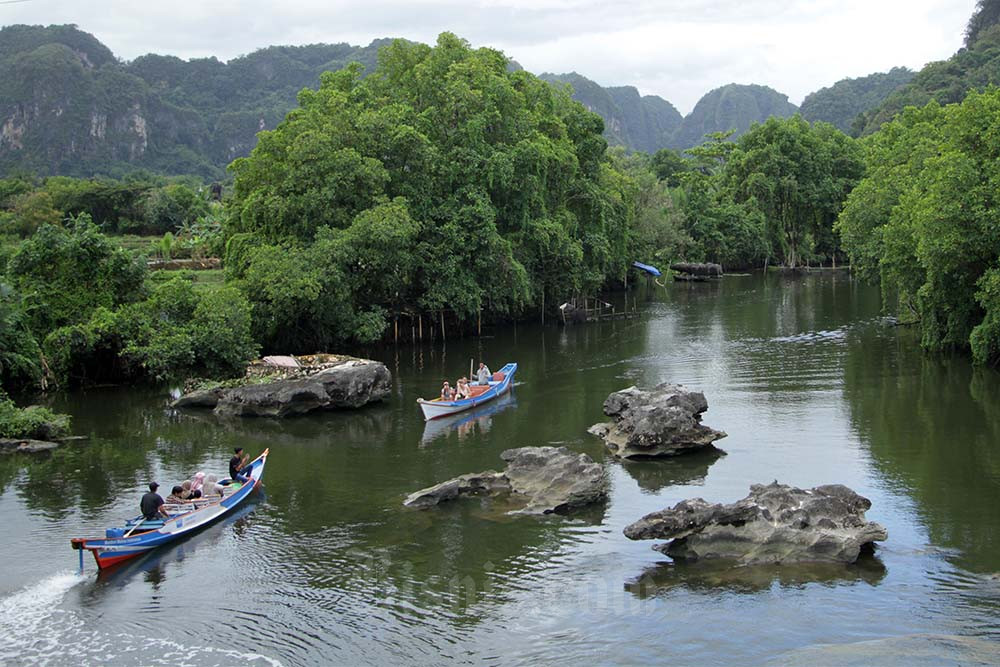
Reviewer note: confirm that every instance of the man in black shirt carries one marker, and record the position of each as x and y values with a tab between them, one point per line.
236	466
151	504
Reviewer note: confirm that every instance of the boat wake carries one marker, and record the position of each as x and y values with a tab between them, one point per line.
37	631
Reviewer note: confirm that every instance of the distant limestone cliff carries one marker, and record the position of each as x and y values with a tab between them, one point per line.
68	106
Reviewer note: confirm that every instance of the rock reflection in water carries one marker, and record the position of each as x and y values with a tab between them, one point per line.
656	474
712	576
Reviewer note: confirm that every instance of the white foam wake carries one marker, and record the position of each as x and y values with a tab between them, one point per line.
36	630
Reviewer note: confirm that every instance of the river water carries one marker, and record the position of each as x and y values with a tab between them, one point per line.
811	383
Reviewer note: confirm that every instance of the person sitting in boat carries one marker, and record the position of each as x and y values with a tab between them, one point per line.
186	492
176	496
483	374
151	504
212	487
463	390
447	393
237	466
197	481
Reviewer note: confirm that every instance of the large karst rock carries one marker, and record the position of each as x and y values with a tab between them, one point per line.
774	524
662	422
351	383
542	479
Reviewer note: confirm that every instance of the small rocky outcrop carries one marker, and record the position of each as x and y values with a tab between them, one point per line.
543	479
33	445
774	524
345	382
25	446
663	422
712	270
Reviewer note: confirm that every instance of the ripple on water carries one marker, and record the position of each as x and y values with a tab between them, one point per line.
37	631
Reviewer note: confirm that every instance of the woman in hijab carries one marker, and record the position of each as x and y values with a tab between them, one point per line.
211	488
197	481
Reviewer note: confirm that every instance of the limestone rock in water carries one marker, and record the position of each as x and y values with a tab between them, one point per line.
663	422
351	383
545	479
25	446
774	524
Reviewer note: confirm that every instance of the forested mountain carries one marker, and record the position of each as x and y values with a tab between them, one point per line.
732	107
948	81
67	106
841	103
644	123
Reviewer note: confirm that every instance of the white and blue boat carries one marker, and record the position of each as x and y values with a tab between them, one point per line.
139	536
498	386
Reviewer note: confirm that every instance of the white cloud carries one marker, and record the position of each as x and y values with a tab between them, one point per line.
676	49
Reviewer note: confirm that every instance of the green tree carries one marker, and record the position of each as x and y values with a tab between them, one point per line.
480	170
64	272
934	173
797	176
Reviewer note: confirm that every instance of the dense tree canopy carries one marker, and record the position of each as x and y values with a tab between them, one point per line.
925	218
476	186
797	176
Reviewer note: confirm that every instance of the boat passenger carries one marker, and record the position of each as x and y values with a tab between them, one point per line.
177	496
186	492
463	390
151	504
483	374
237	466
197	481
211	487
447	393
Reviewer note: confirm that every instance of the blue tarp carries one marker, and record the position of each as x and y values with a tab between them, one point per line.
651	270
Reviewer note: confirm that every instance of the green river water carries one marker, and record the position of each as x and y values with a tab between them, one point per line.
811	383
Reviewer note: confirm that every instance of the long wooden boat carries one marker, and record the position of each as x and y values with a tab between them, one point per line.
436	408
139	536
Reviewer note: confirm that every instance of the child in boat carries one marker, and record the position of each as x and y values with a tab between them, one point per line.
447	393
463	390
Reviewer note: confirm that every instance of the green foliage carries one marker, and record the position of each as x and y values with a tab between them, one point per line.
796	175
986	15
934	172
64	273
112	205
841	103
32	422
443	180
31	211
668	165
947	81
20	355
177	330
169	208
108	118
893	158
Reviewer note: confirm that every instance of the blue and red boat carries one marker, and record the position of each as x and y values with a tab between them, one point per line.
139	536
498	386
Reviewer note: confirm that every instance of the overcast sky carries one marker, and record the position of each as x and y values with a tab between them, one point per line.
676	49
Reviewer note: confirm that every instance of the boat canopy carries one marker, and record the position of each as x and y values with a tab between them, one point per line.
651	270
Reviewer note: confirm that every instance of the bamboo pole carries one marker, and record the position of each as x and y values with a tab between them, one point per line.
443	336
